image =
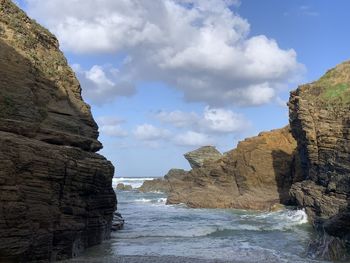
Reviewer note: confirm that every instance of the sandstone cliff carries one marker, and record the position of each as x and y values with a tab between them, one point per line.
256	175
55	192
320	121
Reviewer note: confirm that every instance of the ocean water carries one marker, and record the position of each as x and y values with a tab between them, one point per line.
155	229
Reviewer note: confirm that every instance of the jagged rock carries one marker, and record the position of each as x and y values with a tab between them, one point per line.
256	175
56	195
172	179
320	121
124	187
198	157
155	185
118	222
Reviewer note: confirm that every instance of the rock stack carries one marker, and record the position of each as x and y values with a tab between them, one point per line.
256	175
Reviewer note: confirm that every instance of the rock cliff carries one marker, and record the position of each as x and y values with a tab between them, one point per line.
256	175
320	122
56	195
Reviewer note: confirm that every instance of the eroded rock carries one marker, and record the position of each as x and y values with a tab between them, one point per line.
198	157
256	175
124	187
320	122
56	195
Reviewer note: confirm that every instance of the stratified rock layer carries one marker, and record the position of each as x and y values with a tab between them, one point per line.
56	195
320	121
256	175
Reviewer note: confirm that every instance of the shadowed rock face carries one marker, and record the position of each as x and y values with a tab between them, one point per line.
56	195
320	121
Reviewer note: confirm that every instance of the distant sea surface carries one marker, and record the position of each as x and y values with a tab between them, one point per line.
158	230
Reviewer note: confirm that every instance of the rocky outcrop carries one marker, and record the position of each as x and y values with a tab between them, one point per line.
155	185
172	180
320	121
256	175
56	195
124	187
206	153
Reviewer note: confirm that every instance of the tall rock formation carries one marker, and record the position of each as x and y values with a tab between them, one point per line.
320	122
56	196
256	175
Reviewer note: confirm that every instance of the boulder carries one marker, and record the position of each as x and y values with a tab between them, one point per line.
56	196
320	122
124	187
206	153
172	179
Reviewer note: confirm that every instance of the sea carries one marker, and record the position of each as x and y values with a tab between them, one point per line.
153	228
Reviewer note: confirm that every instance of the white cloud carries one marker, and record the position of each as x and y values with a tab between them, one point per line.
111	126
202	48
148	132
178	118
213	120
101	85
113	131
308	11
223	121
192	138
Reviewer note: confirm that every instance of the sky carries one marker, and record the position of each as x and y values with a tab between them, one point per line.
164	77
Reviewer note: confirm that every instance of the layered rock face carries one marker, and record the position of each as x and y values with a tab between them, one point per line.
56	195
320	121
256	175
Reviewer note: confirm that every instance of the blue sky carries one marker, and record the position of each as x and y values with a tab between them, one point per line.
167	76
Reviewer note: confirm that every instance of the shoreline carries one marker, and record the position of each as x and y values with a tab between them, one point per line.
171	259
153	259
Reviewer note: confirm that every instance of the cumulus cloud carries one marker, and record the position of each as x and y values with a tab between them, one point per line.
191	138
152	137
111	126
148	132
102	84
202	48
212	120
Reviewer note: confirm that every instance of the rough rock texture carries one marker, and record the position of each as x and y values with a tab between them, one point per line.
56	195
320	121
206	153
155	185
173	179
256	175
124	187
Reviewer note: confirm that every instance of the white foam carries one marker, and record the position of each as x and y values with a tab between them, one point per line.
286	219
143	200
161	200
